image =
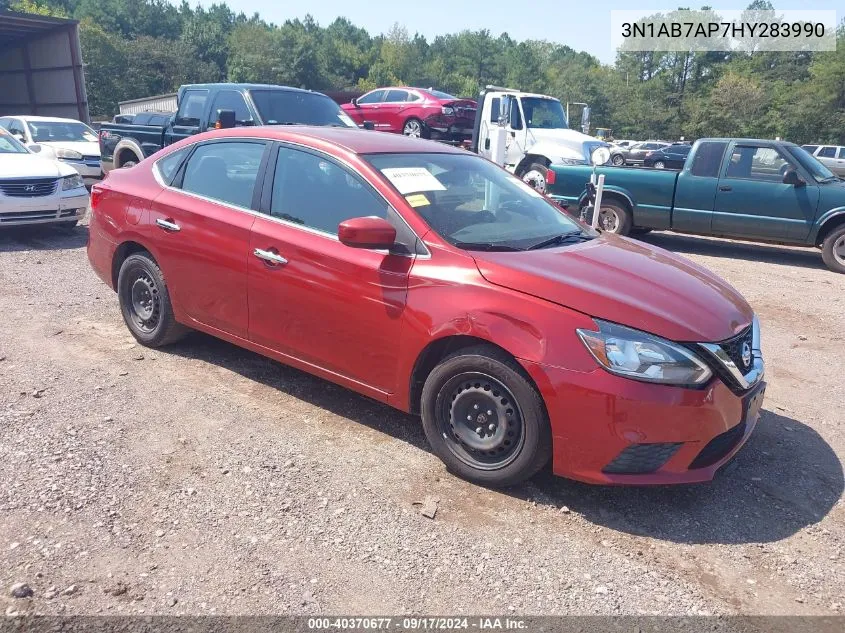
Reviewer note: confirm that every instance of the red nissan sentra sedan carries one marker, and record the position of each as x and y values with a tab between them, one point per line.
428	278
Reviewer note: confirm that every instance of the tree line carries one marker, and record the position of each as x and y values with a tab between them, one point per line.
138	48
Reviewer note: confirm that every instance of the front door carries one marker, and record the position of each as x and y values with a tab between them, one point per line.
313	298
201	227
753	201
368	108
517	132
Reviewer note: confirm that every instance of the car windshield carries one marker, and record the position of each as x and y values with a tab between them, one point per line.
61	131
473	204
289	107
544	113
10	145
442	95
811	163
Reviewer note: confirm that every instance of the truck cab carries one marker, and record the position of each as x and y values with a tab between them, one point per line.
536	134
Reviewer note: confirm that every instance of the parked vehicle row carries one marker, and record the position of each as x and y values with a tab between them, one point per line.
740	188
832	156
672	156
427	278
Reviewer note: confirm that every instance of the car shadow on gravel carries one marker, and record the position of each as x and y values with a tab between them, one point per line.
785	479
42	237
748	251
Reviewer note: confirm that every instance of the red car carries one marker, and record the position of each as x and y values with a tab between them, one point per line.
430	279
415	112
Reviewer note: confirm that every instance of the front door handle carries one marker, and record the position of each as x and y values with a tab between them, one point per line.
168	225
270	257
725	188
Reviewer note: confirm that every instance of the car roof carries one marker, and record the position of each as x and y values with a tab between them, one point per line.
356	141
235	86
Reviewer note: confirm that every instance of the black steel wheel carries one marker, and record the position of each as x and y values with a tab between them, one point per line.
145	302
484	418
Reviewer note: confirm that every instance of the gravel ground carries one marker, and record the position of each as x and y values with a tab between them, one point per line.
205	479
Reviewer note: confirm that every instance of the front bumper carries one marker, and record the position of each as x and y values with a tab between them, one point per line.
91	171
447	126
612	430
47	210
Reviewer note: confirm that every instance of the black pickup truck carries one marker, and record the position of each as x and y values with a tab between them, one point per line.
203	107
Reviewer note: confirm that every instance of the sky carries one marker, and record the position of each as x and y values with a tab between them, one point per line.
582	25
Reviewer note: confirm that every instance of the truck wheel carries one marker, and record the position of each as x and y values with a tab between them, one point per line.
536	175
618	160
485	419
614	218
833	250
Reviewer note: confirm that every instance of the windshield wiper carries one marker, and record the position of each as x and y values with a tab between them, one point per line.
486	246
563	238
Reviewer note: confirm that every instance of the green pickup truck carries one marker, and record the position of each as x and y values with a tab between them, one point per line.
769	191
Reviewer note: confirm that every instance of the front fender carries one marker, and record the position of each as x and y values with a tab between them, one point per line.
553	151
833	215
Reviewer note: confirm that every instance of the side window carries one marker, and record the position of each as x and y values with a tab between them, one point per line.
756	163
708	159
192	107
412	96
16	127
495	109
842	152
169	165
320	194
810	148
396	96
4	123
372	97
231	100
826	152
224	171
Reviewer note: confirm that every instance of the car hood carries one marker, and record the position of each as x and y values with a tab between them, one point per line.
627	282
32	166
85	148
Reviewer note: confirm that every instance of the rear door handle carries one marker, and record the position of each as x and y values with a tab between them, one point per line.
270	257
168	225
725	188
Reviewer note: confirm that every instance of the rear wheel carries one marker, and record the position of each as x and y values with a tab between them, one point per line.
537	176
145	302
485	419
659	164
414	128
618	160
833	249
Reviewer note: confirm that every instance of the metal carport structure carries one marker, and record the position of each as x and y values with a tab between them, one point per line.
41	67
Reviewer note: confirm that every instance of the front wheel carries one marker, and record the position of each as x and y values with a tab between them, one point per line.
833	250
484	419
145	302
537	177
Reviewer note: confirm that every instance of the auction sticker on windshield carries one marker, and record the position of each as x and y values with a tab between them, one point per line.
412	179
417	200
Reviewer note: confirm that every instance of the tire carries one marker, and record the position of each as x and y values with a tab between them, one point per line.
659	164
414	128
129	163
614	218
513	438
833	249
536	175
617	160
145	302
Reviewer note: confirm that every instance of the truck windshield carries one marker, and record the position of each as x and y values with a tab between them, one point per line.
544	113
289	107
811	163
46	131
475	205
10	145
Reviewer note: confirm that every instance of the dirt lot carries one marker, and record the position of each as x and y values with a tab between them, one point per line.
207	479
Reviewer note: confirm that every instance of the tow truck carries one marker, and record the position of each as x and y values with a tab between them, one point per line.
527	133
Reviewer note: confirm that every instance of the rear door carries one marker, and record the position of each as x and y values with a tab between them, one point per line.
201	229
317	300
189	117
753	201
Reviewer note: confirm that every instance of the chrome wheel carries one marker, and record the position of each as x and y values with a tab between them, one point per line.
618	160
839	250
536	179
480	420
412	128
609	220
659	164
145	303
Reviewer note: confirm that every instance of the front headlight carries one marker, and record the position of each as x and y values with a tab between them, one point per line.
447	110
72	182
642	356
68	154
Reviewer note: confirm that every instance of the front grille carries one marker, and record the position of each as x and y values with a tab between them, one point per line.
28	187
718	447
641	458
91	159
733	348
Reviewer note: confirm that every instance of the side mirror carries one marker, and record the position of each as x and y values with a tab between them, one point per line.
600	156
225	119
34	147
369	125
791	177
370	232
354	101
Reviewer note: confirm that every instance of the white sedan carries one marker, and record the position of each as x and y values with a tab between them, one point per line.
70	141
37	189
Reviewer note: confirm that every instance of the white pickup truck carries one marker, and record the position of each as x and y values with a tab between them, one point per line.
535	132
